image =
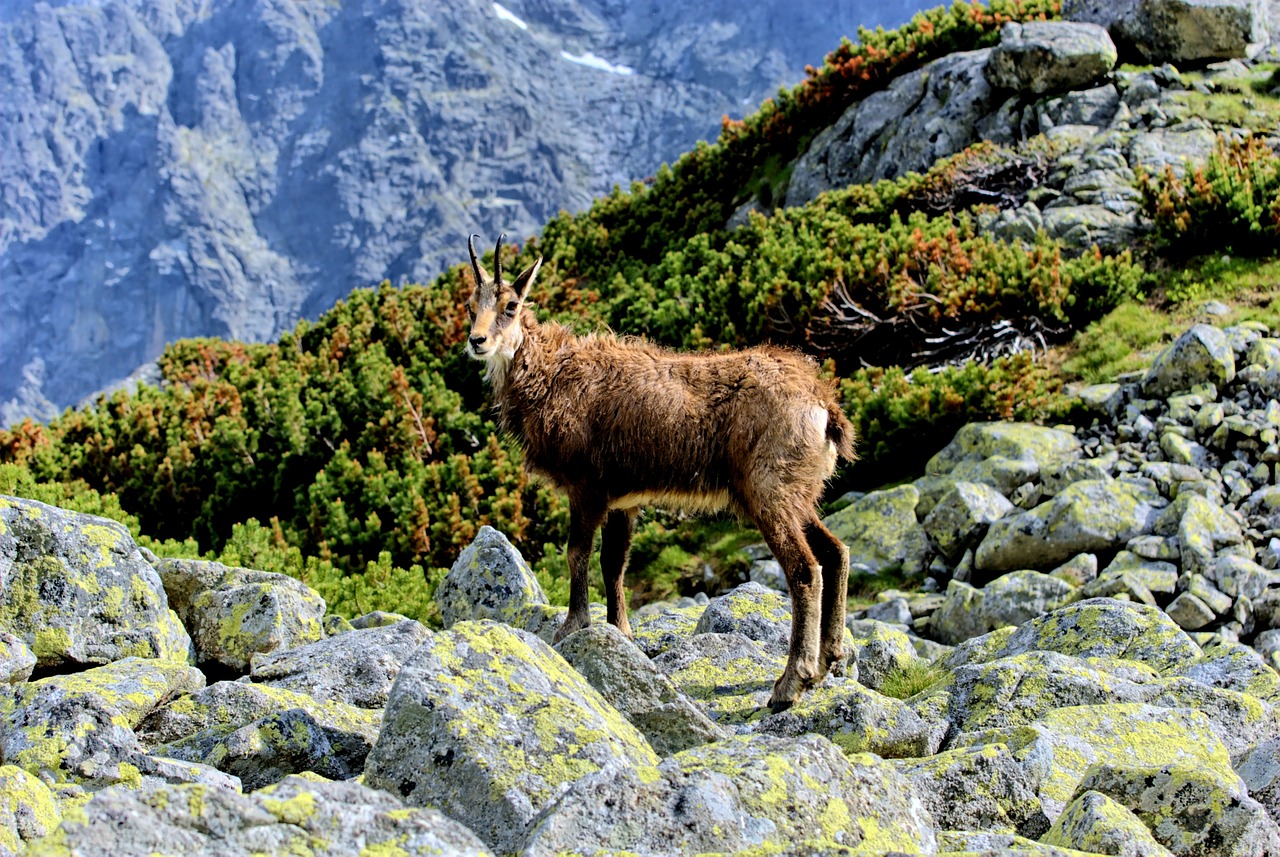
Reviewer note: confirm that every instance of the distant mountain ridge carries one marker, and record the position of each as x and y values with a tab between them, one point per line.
176	168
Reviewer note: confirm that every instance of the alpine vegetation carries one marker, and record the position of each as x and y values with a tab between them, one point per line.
619	423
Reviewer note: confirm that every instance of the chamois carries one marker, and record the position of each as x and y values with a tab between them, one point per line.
619	423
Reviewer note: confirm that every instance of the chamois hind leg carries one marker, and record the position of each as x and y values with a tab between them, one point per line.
833	556
786	539
584	519
615	549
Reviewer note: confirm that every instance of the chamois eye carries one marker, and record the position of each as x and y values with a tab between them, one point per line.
471	312
511	308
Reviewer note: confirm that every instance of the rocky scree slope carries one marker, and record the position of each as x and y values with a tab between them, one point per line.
176	169
1112	688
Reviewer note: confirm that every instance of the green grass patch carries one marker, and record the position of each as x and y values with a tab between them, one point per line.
906	681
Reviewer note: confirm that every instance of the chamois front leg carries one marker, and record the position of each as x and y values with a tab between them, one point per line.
584	520
615	549
804	580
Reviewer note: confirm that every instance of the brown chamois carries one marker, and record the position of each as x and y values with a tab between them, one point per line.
618	423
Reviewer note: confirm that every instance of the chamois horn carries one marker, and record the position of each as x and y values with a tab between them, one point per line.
475	263
497	261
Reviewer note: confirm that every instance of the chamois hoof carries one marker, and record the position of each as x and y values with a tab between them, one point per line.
780	705
834	664
571	624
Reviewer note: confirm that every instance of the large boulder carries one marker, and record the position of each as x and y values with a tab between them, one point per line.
977	788
297	816
1086	516
961	517
635	687
356	667
489	724
729	675
235	613
76	589
1010	599
881	531
1201	355
1040	57
747	792
1177	31
28	809
753	611
1097	824
857	720
489	580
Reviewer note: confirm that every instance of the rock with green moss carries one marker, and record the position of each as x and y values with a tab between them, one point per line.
1086	516
377	619
1095	823
972	843
1010	599
545	620
878	650
961	517
76	589
882	533
857	720
489	580
357	667
296	816
16	659
747	792
1202	528
489	724
79	727
1193	810
1059	747
729	675
28	809
235	613
961	616
753	611
1041	57
1201	355
657	628
1233	666
1240	720
635	687
977	788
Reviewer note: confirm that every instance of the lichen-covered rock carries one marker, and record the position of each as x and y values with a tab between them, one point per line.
1010	599
857	720
16	659
655	631
881	531
489	580
977	788
961	517
878	650
489	724
1050	56
746	792
28	810
1232	666
235	613
79	726
960	617
297	816
1240	720
377	619
1181	31
1202	527
357	667
1003	455
76	589
1260	771
1097	824
753	611
1095	628
1201	355
1087	516
262	733
1190	809
729	675
635	687
1060	746
1190	612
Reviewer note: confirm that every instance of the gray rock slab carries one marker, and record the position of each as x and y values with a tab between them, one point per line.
489	580
1038	57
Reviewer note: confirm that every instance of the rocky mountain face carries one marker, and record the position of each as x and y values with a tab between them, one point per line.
177	168
1114	681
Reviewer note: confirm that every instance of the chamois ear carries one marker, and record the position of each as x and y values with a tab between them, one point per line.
525	280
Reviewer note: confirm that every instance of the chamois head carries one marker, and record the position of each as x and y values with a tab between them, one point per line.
494	307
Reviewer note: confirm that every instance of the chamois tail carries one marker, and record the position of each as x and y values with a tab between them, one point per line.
841	432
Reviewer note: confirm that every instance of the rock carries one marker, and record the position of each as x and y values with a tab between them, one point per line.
729	675
856	719
635	687
746	792
960	518
357	667
977	788
76	590
754	612
1190	809
880	650
1181	31
658	630
1008	600
1232	666
1190	612
1087	516
881	531
489	580
78	727
960	617
1260	771
1079	570
1199	356
1202	527
1049	56
235	613
28	810
1097	824
489	724
296	816
16	659
261	733
377	619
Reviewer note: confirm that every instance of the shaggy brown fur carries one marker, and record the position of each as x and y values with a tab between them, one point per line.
619	424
